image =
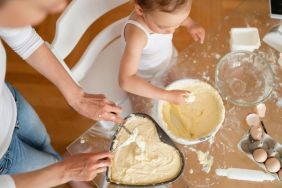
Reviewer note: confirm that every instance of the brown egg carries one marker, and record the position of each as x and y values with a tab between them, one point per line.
260	155
280	174
256	132
272	165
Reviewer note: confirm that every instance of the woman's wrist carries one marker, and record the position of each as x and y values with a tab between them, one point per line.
63	174
52	176
73	95
58	173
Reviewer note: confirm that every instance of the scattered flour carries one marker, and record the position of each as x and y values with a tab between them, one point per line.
190	98
205	159
279	103
191	171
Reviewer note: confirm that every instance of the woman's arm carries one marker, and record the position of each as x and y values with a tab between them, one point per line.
29	45
81	167
96	107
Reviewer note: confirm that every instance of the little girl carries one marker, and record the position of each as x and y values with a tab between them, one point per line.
149	50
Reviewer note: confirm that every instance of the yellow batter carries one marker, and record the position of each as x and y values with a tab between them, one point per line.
142	158
195	119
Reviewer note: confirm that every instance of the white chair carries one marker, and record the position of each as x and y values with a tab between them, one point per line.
97	69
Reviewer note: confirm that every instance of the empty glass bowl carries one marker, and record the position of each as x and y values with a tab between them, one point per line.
244	78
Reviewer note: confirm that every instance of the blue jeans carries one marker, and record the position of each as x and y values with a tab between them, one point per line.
30	148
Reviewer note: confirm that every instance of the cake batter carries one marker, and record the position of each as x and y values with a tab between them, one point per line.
197	119
142	158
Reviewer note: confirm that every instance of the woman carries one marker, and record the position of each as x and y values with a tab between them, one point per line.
24	143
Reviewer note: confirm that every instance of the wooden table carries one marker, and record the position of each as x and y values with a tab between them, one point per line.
198	62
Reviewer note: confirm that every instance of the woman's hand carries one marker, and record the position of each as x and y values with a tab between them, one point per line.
96	107
85	167
80	167
176	96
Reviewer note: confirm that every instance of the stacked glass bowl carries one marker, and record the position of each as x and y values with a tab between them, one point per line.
244	78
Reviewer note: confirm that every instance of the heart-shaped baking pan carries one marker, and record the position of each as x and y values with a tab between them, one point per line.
164	138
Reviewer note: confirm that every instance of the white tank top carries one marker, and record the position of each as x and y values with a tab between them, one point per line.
158	49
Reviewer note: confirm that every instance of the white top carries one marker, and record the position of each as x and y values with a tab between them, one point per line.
158	50
24	41
6	181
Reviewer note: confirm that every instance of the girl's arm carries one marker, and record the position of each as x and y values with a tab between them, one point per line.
129	81
196	31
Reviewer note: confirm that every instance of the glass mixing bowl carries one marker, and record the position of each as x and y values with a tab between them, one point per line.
244	78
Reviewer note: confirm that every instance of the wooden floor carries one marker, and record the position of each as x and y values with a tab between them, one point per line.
63	123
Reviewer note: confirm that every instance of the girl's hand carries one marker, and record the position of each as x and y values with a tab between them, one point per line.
96	107
197	32
85	167
176	96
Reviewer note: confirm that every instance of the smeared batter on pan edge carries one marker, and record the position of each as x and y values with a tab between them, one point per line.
144	159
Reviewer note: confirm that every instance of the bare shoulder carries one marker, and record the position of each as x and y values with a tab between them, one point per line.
134	36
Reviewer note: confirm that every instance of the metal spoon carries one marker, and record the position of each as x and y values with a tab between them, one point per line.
122	126
126	129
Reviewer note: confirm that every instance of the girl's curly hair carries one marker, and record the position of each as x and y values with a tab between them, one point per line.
2	2
162	5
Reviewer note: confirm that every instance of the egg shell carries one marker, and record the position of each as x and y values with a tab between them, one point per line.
261	110
260	155
256	132
272	165
255	145
269	143
189	98
253	120
273	153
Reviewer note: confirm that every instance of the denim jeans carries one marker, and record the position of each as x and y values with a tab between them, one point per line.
30	148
